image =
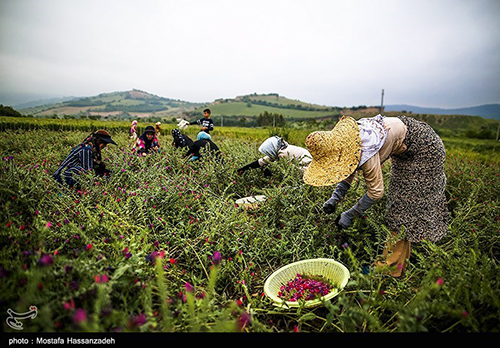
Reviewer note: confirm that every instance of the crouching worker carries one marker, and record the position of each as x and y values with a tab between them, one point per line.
83	158
203	141
147	142
416	200
274	148
181	140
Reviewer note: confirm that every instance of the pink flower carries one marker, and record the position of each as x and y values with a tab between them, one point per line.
69	305
101	279
80	316
189	287
439	281
49	224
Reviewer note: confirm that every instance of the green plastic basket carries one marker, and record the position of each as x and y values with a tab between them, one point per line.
332	270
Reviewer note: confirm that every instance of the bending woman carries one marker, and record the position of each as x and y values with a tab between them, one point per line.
416	200
274	148
203	141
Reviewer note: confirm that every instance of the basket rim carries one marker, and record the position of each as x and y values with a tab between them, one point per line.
310	303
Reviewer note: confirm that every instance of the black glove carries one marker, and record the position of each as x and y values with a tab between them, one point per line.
248	166
329	206
345	219
340	190
101	170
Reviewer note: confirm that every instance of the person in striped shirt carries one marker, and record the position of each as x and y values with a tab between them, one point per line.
83	158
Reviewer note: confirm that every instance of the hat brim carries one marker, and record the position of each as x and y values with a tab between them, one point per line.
107	139
327	173
339	153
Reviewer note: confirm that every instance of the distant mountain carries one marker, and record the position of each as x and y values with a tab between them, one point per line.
137	103
17	100
122	105
40	102
485	111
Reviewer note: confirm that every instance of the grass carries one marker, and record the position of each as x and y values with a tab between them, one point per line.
135	253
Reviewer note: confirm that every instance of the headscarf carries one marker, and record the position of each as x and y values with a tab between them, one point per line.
271	146
179	140
203	135
143	144
132	127
373	133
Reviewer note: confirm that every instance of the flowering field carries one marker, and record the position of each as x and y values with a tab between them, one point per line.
161	247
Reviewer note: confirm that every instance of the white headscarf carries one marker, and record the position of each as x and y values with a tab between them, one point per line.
271	146
373	133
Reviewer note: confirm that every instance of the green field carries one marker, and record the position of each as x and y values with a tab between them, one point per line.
243	109
135	253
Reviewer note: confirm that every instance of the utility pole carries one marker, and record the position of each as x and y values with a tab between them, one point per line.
382	103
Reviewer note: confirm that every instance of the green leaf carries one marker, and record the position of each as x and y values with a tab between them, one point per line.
308	316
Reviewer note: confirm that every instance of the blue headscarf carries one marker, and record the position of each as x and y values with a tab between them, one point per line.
203	135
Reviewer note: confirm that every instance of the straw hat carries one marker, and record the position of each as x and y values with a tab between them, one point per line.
335	153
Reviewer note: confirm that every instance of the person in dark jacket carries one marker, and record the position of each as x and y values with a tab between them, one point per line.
206	123
83	158
203	141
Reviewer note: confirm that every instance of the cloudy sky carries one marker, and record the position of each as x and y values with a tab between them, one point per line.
435	53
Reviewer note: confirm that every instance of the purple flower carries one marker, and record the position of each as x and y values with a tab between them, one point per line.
244	320
217	258
137	321
45	260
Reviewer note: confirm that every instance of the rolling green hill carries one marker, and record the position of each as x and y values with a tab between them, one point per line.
254	104
135	103
244	111
115	105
